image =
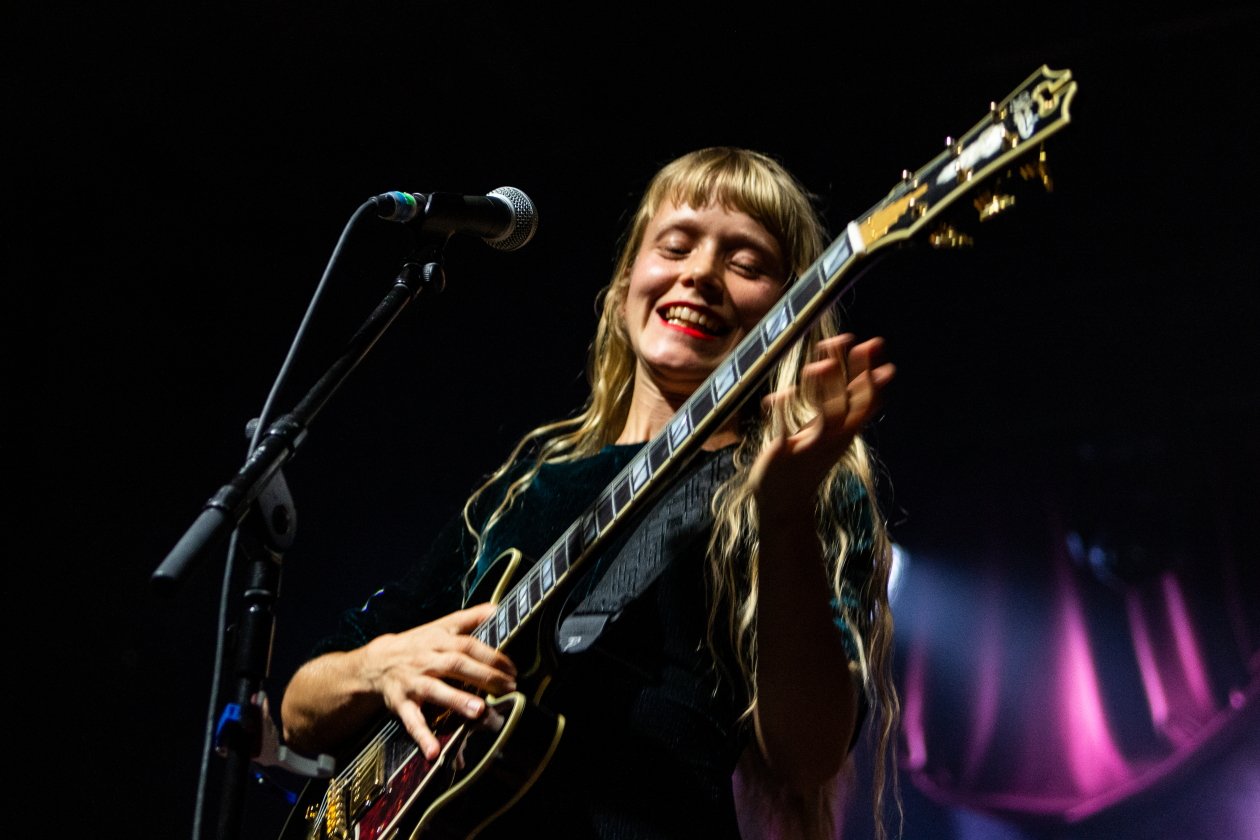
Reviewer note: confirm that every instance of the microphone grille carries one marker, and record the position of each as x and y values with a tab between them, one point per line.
524	220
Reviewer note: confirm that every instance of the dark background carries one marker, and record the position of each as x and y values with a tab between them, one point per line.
182	174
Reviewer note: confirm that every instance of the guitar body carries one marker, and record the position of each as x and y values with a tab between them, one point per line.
392	792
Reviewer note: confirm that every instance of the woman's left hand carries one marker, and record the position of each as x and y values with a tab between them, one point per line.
844	384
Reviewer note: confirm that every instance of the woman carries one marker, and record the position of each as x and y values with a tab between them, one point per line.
762	645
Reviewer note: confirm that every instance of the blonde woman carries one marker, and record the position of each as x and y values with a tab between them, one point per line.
761	645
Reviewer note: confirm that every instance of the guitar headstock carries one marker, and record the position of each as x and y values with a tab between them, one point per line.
1003	148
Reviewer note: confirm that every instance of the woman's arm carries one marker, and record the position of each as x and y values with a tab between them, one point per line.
331	698
807	697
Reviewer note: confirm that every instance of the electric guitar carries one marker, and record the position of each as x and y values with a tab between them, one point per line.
389	789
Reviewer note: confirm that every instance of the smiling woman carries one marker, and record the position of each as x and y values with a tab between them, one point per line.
741	628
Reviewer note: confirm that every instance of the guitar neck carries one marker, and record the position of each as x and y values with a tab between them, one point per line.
661	459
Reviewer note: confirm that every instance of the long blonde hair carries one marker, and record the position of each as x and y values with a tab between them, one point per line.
755	184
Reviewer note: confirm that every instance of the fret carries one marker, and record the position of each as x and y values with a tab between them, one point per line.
805	290
559	561
535	585
679	428
522	599
621	494
834	258
589	531
748	353
724	378
638	472
775	323
486	633
658	453
512	618
501	625
548	578
701	404
603	512
572	546
789	311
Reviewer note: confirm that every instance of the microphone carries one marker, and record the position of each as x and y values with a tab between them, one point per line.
505	218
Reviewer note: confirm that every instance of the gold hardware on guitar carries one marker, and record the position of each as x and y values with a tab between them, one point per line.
1039	170
990	204
955	147
948	236
1046	95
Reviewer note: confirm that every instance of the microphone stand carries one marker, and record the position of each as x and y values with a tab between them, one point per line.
256	506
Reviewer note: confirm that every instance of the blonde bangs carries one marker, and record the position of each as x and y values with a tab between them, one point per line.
743	181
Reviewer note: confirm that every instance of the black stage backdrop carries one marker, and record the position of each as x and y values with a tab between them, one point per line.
182	173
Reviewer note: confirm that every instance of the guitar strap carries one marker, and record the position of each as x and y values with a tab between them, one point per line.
673	528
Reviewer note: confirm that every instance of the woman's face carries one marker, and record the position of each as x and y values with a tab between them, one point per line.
701	280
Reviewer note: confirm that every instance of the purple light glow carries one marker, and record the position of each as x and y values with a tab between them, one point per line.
912	708
1037	735
1091	758
988	684
1187	647
1144	650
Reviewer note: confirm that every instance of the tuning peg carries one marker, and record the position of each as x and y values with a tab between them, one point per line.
915	208
955	147
999	115
947	236
1038	170
991	204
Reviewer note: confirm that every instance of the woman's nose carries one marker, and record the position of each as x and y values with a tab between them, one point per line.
704	272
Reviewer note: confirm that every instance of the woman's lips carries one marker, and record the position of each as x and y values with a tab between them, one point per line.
692	321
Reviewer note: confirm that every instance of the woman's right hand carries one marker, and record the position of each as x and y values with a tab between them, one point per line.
439	664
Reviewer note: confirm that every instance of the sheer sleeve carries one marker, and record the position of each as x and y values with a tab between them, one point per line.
851	509
433	587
